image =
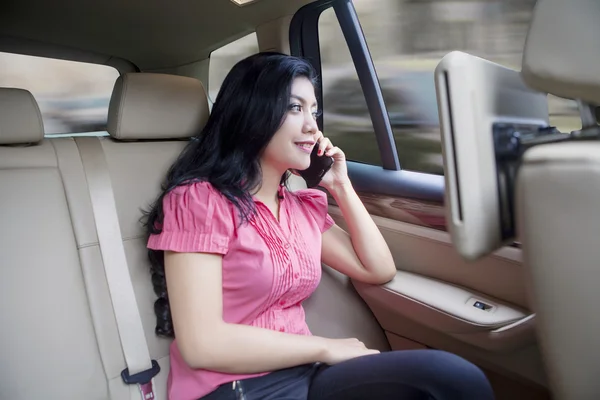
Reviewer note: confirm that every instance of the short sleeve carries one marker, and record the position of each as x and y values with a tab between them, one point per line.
197	219
315	202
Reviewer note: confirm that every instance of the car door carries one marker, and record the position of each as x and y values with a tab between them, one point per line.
375	60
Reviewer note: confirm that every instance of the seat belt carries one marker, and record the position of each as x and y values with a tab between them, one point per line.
140	370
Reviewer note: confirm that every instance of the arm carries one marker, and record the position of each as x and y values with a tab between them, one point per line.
206	341
363	254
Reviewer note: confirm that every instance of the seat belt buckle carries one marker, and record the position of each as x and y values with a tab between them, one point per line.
147	390
143	379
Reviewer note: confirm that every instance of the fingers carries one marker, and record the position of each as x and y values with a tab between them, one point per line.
333	151
319	135
327	148
324	145
356	342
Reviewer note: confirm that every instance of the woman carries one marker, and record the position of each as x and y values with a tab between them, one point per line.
240	253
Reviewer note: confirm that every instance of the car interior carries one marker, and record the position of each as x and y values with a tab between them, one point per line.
76	294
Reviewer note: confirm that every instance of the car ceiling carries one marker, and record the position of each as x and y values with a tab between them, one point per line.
152	34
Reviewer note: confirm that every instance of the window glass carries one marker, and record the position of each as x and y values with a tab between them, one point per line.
72	96
224	58
346	119
406	39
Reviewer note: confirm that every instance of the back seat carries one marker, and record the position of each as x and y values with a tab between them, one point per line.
151	118
55	309
59	335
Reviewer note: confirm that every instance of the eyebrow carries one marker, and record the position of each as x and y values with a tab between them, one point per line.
302	100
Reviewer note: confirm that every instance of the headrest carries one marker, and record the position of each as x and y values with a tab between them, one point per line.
20	117
156	106
562	53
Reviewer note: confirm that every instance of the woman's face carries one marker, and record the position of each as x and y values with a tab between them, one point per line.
292	144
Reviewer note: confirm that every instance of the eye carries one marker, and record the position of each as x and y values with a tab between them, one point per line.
316	114
295	107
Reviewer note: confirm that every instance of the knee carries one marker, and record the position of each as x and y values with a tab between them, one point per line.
439	362
457	365
459	373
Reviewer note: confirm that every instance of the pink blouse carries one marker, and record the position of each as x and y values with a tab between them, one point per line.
269	267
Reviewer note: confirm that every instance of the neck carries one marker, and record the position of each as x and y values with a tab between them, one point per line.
271	178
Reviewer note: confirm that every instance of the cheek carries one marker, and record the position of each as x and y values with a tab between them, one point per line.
285	135
276	149
292	125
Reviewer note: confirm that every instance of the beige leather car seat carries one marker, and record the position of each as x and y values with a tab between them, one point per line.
58	337
151	117
558	194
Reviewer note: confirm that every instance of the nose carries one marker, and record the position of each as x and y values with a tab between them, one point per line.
310	124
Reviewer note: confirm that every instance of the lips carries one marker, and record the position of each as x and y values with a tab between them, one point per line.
306	146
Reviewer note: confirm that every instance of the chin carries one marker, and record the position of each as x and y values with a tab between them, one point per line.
301	165
298	163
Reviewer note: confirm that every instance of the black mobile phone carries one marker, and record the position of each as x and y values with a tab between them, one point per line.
319	165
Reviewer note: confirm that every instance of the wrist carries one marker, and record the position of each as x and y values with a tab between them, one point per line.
341	189
321	349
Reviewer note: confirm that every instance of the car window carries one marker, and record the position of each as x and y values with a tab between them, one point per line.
346	119
224	58
73	96
406	40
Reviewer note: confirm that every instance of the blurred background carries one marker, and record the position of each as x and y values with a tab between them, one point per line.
406	38
73	97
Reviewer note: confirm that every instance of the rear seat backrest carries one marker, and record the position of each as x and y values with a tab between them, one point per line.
151	118
148	106
59	337
48	345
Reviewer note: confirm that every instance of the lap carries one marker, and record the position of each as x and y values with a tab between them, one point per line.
410	374
286	384
404	375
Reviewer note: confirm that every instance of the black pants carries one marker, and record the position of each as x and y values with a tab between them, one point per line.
401	375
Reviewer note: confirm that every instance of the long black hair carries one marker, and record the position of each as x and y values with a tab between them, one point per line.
249	109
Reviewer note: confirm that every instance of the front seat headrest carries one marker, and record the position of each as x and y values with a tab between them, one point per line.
562	52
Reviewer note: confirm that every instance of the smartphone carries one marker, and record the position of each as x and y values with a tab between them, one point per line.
319	165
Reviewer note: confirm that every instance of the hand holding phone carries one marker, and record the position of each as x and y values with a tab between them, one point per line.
319	165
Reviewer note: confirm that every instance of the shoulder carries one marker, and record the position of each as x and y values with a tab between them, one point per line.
196	218
203	189
197	194
198	199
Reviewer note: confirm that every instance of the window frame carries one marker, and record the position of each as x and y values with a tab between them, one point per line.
389	179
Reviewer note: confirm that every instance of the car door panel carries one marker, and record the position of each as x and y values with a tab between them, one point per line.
430	302
429	252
